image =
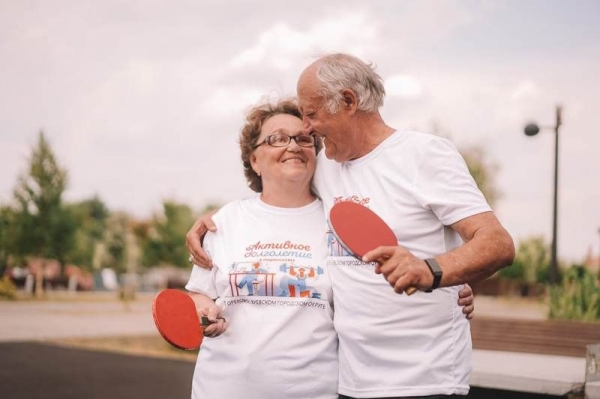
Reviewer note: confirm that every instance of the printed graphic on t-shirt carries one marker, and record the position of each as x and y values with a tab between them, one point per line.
352	198
334	248
274	277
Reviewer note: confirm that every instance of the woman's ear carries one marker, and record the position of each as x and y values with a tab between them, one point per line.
254	164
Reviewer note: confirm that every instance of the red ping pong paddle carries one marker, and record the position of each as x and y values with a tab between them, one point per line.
176	319
360	230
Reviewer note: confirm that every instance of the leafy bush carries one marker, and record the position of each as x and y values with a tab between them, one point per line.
578	296
8	290
532	262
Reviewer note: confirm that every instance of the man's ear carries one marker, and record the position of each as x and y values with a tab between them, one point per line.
349	102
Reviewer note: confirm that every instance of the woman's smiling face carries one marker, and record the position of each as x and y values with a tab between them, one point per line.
290	163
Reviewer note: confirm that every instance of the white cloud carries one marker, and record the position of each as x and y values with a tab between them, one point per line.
404	86
227	101
525	89
275	47
281	46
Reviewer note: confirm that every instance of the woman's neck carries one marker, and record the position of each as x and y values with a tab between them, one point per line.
287	196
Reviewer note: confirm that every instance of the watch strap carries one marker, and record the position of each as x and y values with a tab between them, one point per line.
436	271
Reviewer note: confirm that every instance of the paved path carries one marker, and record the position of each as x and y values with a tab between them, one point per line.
30	369
100	314
93	315
35	370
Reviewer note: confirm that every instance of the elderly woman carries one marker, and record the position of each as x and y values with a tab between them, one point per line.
269	279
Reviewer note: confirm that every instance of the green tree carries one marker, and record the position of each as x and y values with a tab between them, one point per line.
6	236
484	171
163	241
91	217
115	243
481	166
43	225
577	297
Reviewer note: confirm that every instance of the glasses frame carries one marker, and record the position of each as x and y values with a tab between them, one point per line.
268	139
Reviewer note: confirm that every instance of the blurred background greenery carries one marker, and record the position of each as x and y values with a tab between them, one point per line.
61	244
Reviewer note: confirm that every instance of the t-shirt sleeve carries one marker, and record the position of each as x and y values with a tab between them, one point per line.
444	185
203	280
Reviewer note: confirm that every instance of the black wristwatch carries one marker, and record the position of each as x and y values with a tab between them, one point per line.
436	271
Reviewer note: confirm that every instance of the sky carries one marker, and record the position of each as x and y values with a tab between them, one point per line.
142	101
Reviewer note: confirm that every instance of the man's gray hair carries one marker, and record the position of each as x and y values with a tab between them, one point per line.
337	72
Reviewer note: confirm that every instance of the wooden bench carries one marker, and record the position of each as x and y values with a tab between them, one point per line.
563	338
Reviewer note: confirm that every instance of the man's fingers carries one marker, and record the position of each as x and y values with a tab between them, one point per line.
197	254
209	224
194	237
199	258
378	254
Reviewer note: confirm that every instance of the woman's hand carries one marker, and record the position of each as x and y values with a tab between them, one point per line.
467	301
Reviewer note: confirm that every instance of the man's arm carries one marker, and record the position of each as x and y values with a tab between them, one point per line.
487	248
194	237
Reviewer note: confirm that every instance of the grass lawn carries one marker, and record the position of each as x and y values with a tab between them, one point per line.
147	345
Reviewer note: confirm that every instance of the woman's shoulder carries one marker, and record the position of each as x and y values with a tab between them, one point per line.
235	208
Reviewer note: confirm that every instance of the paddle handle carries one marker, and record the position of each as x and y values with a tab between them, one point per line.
205	322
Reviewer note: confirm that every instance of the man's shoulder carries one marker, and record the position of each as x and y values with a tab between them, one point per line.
413	137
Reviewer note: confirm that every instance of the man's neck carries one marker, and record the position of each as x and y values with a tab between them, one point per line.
373	131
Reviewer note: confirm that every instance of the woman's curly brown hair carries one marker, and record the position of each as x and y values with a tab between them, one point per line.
250	133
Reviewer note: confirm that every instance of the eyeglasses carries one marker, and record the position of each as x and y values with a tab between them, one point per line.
282	140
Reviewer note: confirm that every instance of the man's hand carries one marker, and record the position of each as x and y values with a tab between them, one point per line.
400	268
466	300
194	237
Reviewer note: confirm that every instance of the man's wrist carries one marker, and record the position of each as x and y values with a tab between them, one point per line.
436	271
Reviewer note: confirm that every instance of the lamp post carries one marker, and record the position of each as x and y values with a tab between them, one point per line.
598	256
531	130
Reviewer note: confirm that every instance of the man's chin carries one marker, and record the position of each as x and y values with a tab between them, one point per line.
330	152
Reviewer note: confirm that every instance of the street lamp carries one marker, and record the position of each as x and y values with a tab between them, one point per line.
598	261
531	130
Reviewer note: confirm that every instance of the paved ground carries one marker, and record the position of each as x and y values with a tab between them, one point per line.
85	315
100	315
31	367
31	370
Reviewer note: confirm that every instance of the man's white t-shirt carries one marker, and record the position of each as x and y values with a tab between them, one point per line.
391	344
272	282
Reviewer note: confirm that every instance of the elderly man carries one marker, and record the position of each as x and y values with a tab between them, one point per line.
393	345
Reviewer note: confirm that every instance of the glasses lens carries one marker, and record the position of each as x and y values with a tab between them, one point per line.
305	141
278	140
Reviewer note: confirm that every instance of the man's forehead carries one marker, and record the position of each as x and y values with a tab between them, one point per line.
307	89
307	99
